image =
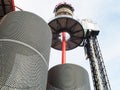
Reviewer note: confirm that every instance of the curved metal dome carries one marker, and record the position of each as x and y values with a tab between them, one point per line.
68	77
64	23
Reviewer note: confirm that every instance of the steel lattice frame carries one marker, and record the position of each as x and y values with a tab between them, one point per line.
100	78
101	65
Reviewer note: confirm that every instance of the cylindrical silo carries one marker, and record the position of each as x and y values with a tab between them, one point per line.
68	77
25	41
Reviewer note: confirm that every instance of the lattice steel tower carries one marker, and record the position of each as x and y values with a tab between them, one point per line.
93	52
82	34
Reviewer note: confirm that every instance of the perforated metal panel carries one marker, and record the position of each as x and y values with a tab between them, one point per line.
28	28
25	41
68	77
21	67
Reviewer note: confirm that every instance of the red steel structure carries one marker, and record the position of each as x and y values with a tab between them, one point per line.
63	48
13	5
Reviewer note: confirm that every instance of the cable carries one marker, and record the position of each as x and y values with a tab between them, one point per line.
18	8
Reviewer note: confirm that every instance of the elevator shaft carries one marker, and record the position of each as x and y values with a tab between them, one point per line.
100	78
101	64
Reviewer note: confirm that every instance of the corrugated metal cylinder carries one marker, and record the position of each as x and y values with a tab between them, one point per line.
68	77
25	41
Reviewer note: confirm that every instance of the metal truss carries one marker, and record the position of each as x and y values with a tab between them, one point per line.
100	78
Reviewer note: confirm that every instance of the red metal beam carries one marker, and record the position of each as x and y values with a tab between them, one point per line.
63	47
13	5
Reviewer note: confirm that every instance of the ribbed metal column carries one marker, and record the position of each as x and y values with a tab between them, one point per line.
25	41
68	77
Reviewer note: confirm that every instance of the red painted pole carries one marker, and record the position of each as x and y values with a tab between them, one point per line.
63	47
13	5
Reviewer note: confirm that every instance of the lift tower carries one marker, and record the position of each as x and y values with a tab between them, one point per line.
92	49
80	35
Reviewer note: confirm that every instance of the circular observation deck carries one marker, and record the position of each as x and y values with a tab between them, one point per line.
65	23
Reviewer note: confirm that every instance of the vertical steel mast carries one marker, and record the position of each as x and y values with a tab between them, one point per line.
63	47
100	78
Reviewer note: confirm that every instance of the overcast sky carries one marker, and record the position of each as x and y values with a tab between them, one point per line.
106	13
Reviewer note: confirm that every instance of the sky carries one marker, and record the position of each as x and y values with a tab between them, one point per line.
106	13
